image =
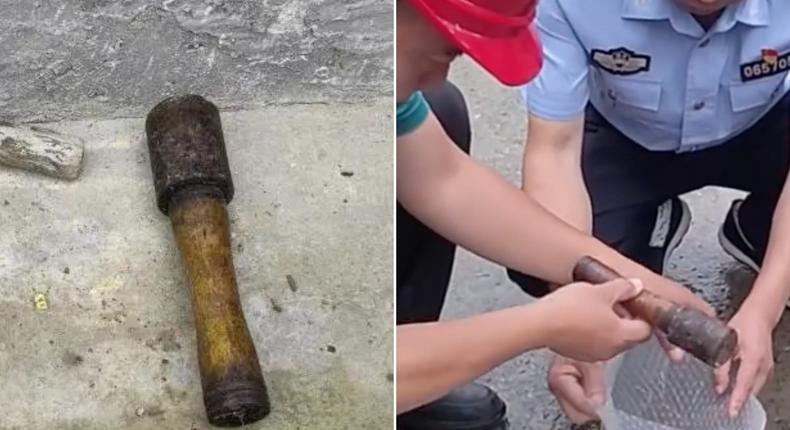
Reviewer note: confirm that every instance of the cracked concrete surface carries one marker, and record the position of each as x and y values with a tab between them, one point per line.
312	235
78	59
498	124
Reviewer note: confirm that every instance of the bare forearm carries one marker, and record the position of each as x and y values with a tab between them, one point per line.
552	171
477	209
555	181
433	358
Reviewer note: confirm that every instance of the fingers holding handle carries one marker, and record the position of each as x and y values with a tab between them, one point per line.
705	337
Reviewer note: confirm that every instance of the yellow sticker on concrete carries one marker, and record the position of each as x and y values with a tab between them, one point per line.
109	283
40	302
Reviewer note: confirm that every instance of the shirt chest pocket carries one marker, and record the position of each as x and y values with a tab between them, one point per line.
758	93
636	93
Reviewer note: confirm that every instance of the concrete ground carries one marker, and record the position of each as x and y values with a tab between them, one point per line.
116	346
498	124
76	59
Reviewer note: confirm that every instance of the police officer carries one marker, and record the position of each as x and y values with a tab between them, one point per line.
445	197
640	101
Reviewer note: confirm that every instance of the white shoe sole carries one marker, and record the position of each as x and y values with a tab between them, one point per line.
683	228
734	252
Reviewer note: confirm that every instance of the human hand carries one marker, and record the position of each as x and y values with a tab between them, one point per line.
578	387
755	357
584	324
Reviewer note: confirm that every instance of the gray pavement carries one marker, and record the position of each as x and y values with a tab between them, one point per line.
76	59
498	128
116	346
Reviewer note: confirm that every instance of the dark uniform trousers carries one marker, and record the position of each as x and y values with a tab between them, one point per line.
628	183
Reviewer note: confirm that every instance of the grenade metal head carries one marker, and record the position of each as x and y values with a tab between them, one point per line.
187	148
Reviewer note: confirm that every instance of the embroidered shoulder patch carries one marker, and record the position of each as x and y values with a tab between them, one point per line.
770	63
621	61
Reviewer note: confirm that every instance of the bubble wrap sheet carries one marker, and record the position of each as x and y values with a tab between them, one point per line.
646	391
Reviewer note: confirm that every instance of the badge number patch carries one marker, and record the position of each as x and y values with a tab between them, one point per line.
621	61
770	63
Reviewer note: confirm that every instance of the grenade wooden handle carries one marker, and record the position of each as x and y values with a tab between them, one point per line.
234	392
703	336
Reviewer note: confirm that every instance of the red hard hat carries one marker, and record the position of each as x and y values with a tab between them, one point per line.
498	34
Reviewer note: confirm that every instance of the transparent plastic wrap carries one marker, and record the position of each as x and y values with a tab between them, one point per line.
646	391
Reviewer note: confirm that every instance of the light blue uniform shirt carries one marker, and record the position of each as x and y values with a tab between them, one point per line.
652	71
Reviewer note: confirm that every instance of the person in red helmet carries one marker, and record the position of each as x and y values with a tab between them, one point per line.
446	198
